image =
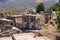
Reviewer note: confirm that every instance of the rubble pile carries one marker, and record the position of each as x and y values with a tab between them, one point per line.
8	33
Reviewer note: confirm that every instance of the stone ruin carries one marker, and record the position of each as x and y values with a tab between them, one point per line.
6	28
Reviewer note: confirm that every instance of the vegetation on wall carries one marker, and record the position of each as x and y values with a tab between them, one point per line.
1	15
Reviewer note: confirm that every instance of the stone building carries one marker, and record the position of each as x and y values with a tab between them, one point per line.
28	21
47	17
33	21
6	24
17	19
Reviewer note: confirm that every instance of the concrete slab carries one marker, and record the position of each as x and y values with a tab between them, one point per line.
6	38
28	36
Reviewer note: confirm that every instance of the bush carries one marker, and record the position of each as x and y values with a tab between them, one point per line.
1	15
55	8
58	20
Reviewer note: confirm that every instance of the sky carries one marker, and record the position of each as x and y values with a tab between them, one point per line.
24	0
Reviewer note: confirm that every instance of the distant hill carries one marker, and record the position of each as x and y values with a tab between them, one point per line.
21	5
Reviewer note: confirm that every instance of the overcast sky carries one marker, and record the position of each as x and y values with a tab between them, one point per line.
24	0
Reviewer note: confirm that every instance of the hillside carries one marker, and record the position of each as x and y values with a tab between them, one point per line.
21	5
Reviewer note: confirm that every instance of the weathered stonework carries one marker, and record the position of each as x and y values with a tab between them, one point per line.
6	24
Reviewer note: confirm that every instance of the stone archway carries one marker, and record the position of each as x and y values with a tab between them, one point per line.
7	27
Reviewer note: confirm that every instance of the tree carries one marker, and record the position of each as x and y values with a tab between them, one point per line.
55	8
40	7
58	21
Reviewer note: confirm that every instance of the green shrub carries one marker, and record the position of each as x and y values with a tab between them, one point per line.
58	20
40	7
55	8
